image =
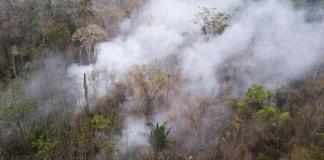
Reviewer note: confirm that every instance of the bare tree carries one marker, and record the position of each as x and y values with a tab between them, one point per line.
151	84
88	36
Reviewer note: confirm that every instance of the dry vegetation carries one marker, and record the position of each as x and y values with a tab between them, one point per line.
283	124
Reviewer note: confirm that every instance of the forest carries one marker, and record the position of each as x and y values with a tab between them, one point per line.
161	80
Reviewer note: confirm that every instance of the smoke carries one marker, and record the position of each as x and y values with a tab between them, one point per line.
51	88
266	42
135	134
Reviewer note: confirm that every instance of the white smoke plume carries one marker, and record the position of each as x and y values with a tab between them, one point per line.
267	42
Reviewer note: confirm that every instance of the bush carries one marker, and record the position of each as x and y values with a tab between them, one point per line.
45	147
103	122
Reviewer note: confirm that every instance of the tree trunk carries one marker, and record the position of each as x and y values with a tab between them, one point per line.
89	55
80	57
86	93
13	64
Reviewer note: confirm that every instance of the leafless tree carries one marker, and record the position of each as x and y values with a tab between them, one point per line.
88	36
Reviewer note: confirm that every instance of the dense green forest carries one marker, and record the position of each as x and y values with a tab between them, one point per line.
67	92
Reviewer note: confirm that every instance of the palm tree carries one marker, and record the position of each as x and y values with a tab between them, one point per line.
159	138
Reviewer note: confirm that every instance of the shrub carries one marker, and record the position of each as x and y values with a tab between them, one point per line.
103	122
159	137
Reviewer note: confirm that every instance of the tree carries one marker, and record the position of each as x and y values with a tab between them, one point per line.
257	128
149	84
88	36
255	97
211	21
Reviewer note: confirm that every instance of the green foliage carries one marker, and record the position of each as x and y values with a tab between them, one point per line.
273	113
256	96
284	116
303	3
63	141
16	108
316	151
268	112
265	127
317	147
103	122
34	133
45	147
13	104
262	103
319	136
160	77
159	137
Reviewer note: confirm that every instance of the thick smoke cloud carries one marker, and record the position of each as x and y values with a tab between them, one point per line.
266	42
